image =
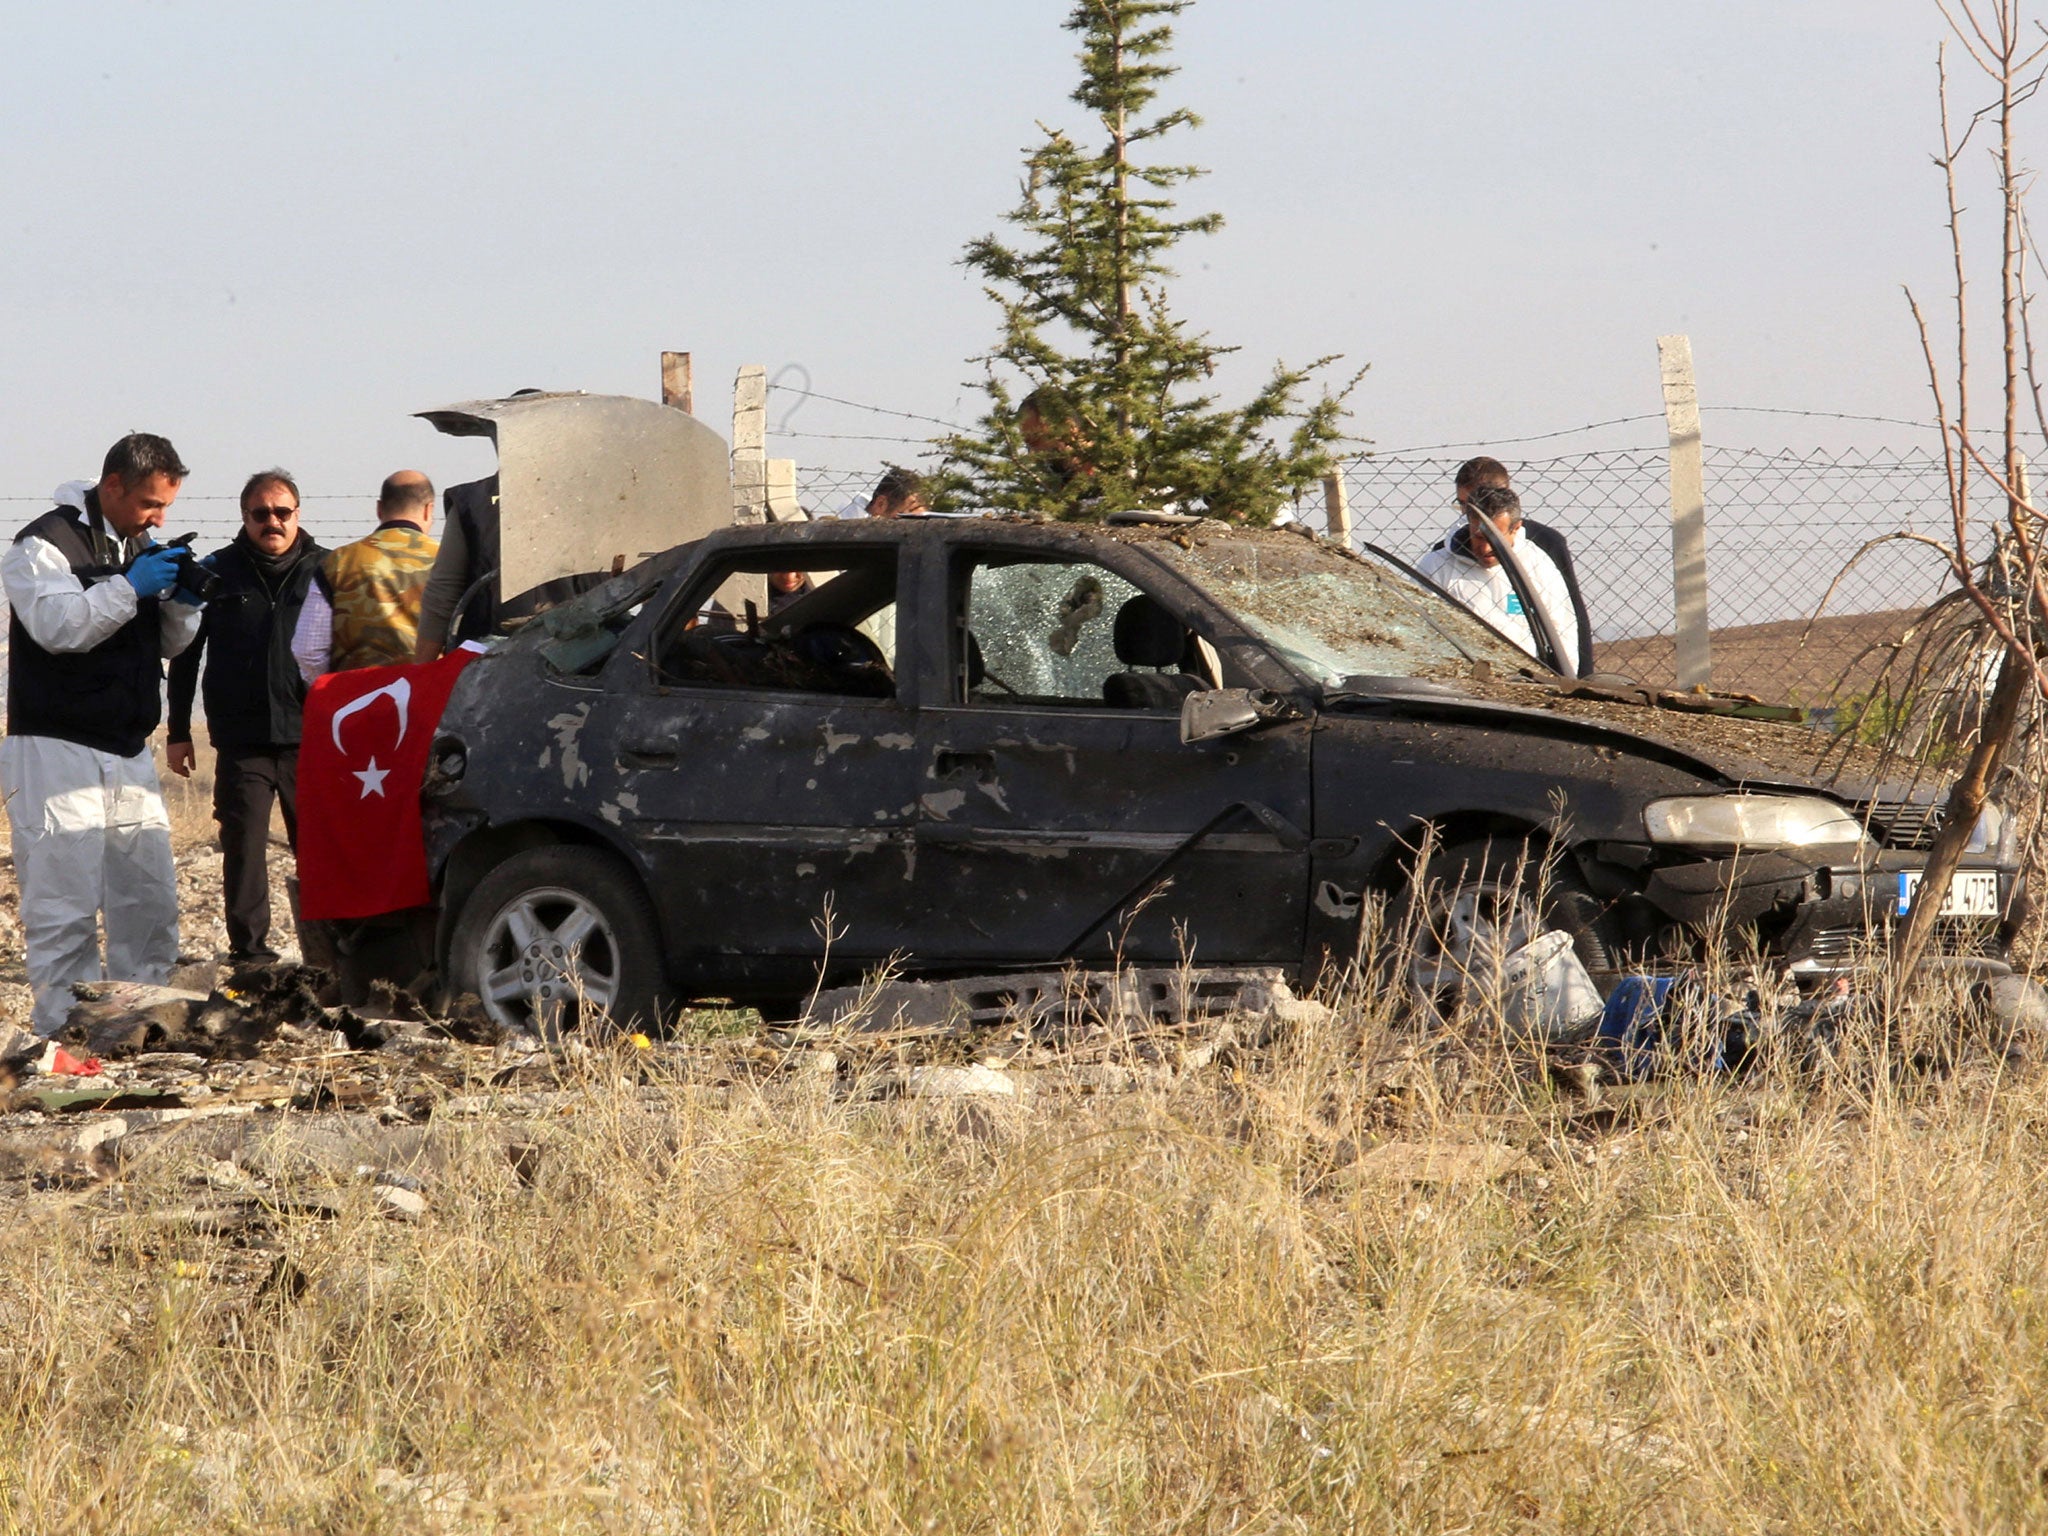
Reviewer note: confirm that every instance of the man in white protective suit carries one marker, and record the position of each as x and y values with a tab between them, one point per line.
95	607
1465	566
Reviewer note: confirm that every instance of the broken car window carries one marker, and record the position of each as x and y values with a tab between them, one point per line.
1331	616
1048	632
575	637
820	634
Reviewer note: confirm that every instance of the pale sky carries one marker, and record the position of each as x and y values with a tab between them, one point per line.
273	231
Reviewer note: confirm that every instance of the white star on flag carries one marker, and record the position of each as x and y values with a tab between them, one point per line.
373	779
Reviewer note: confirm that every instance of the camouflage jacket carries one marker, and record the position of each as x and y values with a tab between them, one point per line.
375	587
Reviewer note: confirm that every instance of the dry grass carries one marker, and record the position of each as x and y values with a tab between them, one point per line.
1814	1300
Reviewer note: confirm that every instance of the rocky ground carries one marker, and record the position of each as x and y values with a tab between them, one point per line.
260	1103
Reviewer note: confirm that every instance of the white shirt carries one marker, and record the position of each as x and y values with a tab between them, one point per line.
313	636
1488	592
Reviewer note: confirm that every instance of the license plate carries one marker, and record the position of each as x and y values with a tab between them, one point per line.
1972	893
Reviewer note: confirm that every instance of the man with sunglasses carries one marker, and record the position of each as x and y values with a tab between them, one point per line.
253	694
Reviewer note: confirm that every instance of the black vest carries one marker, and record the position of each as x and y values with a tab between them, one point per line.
475	507
108	698
252	687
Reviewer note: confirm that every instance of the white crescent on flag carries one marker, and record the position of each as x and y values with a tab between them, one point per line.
400	693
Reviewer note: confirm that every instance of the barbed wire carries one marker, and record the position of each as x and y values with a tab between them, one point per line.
1895	421
1705	410
850	437
1508	442
1408	449
879	410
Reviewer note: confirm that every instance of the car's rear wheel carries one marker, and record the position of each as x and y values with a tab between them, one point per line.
560	939
1474	903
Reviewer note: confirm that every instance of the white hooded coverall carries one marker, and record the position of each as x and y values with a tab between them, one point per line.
1489	592
91	834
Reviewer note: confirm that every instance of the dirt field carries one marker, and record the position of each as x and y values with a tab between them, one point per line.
1783	662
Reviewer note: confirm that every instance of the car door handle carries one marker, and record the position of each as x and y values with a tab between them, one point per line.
949	764
648	755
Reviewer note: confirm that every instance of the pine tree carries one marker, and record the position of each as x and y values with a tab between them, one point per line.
1088	338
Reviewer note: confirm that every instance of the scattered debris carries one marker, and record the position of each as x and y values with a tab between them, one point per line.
119	1019
1545	989
1069	999
958	1082
2018	1004
283	1102
398	1201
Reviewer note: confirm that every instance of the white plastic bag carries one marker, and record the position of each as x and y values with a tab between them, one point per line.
1545	989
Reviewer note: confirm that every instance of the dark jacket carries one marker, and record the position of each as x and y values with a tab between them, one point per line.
252	689
110	697
474	508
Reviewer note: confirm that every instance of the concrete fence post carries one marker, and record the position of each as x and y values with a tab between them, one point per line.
750	445
678	382
1337	507
1695	665
781	492
749	482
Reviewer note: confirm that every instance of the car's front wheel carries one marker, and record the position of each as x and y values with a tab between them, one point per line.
1475	903
560	939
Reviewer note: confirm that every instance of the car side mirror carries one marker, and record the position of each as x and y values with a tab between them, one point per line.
1214	712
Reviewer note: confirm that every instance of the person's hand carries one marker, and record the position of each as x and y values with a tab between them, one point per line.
184	594
179	755
153	572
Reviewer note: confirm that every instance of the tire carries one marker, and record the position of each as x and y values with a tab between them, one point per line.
560	939
1476	901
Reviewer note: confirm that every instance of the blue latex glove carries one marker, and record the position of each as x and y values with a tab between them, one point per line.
153	573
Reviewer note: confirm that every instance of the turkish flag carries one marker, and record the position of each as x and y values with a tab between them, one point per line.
361	760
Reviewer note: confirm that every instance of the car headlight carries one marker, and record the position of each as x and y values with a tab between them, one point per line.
1750	821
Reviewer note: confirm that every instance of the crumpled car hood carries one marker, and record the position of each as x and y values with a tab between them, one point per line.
1737	747
594	482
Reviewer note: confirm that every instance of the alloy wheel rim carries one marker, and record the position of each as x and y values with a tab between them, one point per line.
550	963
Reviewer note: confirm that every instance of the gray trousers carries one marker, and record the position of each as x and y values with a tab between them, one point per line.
92	841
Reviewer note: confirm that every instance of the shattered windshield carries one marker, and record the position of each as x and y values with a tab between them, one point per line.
1332	617
575	637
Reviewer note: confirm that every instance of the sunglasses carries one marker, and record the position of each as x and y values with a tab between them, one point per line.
270	514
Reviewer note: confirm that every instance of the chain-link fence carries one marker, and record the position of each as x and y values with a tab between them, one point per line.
1781	529
836	492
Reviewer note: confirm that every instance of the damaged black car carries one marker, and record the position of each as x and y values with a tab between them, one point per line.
783	756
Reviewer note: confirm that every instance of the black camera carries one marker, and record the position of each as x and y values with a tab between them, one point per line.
195	579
